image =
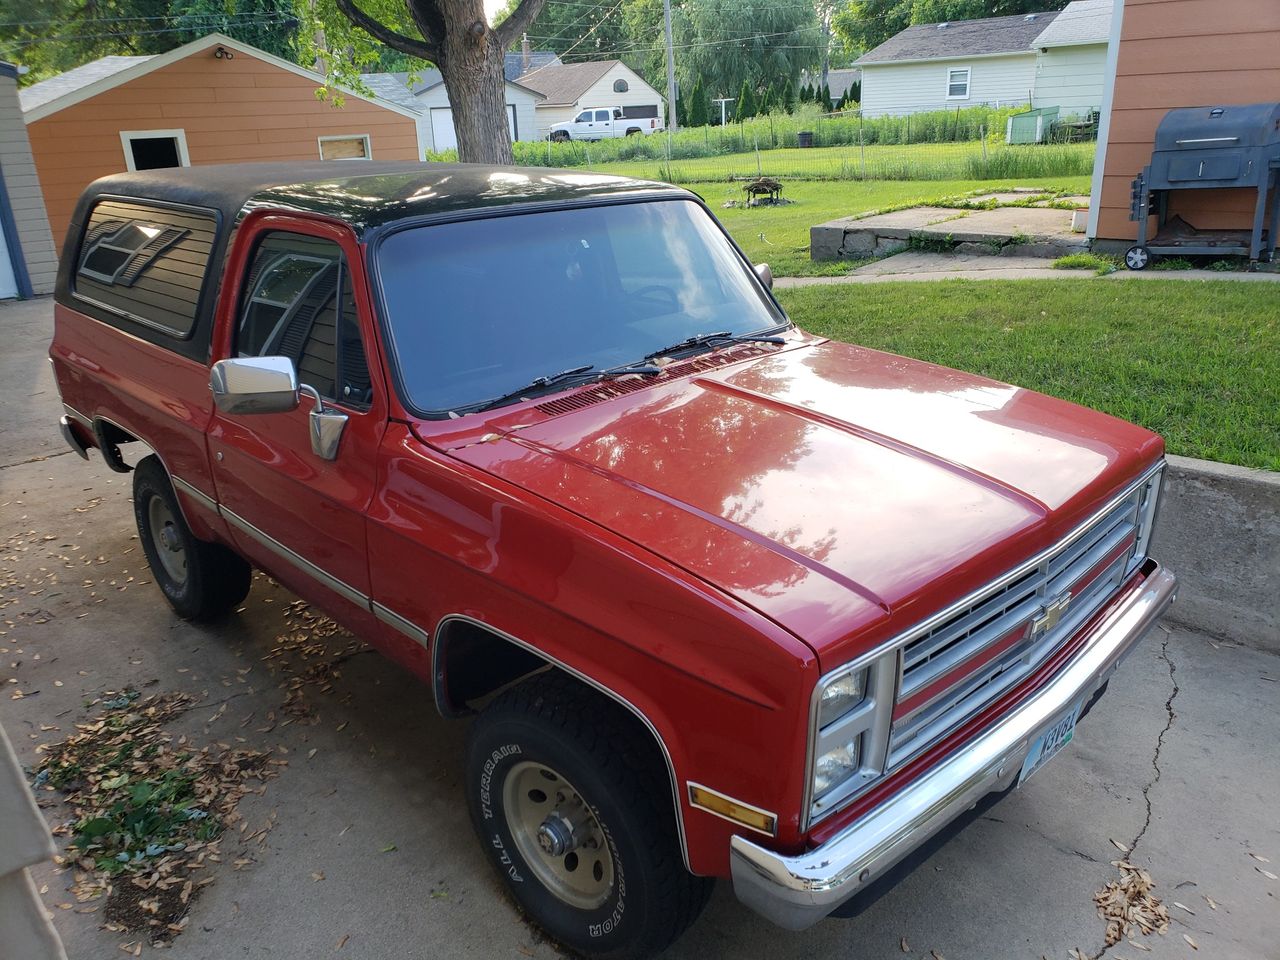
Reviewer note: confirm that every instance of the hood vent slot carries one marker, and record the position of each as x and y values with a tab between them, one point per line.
608	389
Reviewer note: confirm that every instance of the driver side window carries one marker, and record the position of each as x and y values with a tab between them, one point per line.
298	303
583	117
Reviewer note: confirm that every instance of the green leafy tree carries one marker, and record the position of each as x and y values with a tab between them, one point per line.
824	97
746	105
788	101
579	31
865	24
777	40
52	36
453	35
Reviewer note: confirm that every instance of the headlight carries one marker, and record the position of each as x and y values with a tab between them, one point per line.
835	766
840	696
851	712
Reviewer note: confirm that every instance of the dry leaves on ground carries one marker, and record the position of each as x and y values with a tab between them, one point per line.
1130	902
148	809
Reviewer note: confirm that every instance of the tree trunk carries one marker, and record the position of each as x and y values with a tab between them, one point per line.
472	67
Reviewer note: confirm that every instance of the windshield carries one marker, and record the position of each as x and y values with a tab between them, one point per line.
478	308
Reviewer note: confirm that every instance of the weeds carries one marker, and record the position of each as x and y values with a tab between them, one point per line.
1100	265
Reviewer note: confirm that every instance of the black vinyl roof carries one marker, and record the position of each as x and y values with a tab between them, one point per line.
366	194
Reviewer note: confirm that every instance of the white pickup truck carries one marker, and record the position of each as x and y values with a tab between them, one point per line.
600	123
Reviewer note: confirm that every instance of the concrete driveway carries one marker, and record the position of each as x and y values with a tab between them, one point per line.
369	852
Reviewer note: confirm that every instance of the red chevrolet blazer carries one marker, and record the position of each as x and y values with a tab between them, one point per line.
727	599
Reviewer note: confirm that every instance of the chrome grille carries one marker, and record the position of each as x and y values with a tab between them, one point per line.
978	653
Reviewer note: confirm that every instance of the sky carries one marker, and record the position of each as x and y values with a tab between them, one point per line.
493	6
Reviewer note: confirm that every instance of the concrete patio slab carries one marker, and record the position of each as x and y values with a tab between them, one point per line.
1032	231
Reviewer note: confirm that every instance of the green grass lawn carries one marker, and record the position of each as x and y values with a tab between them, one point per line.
1198	363
779	236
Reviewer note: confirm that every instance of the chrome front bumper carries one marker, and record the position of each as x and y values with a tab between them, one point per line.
796	892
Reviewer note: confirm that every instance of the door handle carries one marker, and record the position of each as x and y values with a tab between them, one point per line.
326	425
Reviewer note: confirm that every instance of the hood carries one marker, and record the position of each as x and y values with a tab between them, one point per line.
843	492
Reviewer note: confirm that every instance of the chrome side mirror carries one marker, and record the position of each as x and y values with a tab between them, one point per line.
327	425
765	275
254	385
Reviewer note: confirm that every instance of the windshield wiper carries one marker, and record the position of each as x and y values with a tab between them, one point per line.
704	339
585	372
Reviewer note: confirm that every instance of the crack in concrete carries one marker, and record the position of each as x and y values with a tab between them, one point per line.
1170	716
1052	841
46	456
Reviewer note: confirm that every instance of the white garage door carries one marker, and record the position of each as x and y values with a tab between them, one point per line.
8	283
443	135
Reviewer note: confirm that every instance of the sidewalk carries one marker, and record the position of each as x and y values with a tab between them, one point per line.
918	265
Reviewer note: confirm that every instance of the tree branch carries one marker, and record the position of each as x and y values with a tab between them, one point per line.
510	29
424	49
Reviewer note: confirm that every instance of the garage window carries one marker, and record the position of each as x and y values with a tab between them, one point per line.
958	84
154	149
346	147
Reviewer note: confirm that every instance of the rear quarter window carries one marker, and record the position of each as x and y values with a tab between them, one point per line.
147	264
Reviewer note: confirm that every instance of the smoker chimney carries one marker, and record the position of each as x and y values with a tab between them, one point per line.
524	55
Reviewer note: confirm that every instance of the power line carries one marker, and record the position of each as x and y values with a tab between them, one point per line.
14	44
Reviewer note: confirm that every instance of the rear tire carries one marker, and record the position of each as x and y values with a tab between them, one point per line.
201	580
576	816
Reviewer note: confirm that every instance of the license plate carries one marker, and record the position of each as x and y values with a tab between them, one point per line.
1046	746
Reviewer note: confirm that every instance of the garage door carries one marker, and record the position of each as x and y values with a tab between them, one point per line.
8	283
443	135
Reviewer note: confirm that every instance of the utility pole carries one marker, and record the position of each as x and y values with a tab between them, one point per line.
672	123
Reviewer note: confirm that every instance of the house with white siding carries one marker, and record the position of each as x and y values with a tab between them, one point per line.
1052	59
568	88
425	94
28	259
941	66
1071	59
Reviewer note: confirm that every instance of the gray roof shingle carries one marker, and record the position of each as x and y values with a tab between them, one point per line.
391	87
1084	21
962	38
565	82
513	64
38	94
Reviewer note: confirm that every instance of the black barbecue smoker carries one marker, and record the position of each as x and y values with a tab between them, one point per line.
1200	148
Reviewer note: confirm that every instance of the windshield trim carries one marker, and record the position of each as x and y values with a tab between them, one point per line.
387	343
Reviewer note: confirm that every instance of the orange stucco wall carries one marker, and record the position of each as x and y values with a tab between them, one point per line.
241	109
1185	53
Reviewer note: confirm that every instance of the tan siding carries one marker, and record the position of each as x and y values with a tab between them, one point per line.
25	197
1185	53
231	111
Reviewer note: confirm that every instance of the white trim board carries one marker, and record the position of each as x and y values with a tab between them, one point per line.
162	60
180	135
1104	121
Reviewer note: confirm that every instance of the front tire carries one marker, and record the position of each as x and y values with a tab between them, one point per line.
576	816
201	580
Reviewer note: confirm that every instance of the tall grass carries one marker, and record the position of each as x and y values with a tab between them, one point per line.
962	144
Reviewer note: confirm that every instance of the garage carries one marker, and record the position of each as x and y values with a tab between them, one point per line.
442	132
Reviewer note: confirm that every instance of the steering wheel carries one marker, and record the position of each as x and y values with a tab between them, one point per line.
657	294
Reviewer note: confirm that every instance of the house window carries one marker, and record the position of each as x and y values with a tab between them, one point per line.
958	84
353	146
154	149
621	86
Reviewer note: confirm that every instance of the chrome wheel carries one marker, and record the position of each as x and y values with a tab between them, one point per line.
558	835
167	540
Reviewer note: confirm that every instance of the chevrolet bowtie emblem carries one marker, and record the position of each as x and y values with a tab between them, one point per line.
1053	611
